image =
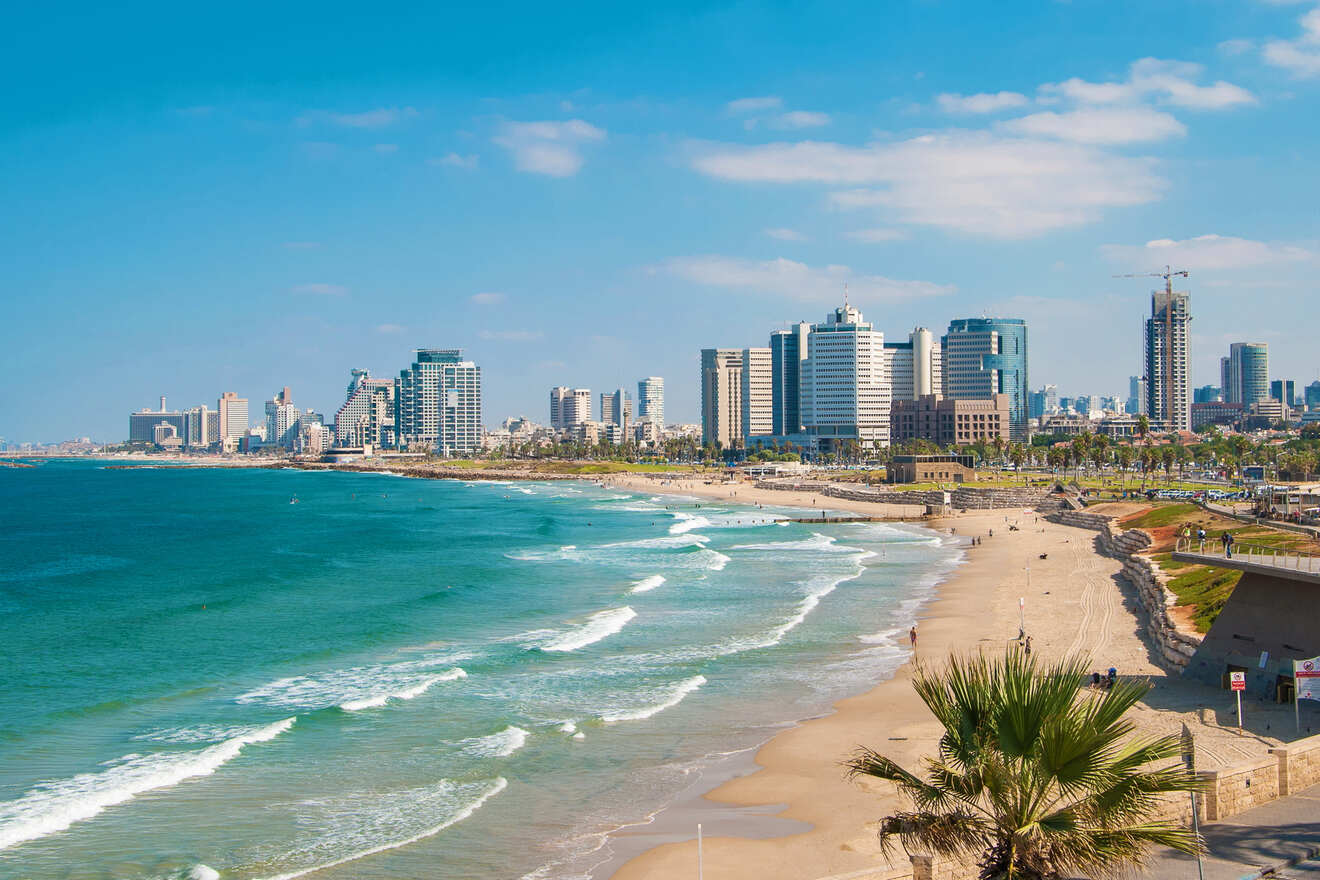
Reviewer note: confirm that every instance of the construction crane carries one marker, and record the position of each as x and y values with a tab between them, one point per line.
1168	275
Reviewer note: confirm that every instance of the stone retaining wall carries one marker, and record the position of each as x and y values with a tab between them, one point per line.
963	497
1234	790
1299	764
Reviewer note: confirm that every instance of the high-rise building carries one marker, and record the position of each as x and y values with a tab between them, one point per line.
1248	377
201	427
616	408
1312	395
438	403
1043	402
757	393
1207	394
142	424
915	368
1168	377
651	400
1136	399
845	392
788	349
367	416
569	407
1284	391
282	420
233	415
987	356
721	397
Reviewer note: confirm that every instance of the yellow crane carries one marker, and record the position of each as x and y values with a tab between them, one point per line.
1168	275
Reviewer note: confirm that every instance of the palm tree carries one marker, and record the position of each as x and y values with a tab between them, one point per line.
1035	777
1125	456
1143	427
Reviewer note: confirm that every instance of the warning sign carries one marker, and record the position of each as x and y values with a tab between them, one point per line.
1239	680
1306	676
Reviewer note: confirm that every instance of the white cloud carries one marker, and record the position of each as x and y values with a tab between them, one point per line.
551	148
454	160
876	236
789	278
1235	47
754	105
1300	56
975	182
381	117
784	234
511	335
1168	81
801	119
1206	252
321	289
390	328
489	298
986	102
1100	125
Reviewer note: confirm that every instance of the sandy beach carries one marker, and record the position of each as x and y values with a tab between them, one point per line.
1075	603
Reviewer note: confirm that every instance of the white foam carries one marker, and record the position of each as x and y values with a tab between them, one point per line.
883	637
496	745
667	699
357	827
568	727
49	807
666	542
817	543
407	693
686	522
647	584
355	688
201	872
600	625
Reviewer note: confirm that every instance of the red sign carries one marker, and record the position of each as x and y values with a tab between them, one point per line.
1239	680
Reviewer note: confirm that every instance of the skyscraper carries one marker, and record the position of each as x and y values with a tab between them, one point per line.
721	397
757	393
1168	378
788	349
367	416
233	415
438	403
1248	373
1136	399
1284	391
142	424
914	367
616	408
651	400
569	407
282	420
985	356
1312	395
845	392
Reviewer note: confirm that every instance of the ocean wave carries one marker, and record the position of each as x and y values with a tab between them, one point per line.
49	807
817	543
662	698
407	693
884	637
393	820
666	542
600	625
66	566
195	733
647	584
354	688
501	744
686	522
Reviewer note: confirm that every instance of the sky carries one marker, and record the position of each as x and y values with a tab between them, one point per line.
241	198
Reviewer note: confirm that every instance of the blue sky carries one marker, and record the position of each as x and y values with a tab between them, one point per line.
201	200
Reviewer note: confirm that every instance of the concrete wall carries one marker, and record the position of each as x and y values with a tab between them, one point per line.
1299	764
963	497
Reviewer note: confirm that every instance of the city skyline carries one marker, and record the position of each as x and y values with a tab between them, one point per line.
287	217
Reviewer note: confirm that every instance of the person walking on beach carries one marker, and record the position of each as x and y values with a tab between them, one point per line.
912	635
1228	545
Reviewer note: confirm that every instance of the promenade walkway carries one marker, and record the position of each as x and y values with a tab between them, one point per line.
1243	846
1293	564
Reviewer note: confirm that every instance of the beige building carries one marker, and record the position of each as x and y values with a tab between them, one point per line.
942	421
721	397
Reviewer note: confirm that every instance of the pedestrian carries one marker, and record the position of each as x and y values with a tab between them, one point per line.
1228	545
1028	646
912	635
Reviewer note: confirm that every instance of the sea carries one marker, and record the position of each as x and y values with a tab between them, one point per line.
248	673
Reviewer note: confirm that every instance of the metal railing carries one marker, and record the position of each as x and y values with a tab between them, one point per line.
1258	554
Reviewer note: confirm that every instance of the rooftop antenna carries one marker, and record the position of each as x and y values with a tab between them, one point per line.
845	295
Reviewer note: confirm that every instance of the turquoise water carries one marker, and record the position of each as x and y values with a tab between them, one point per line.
397	678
